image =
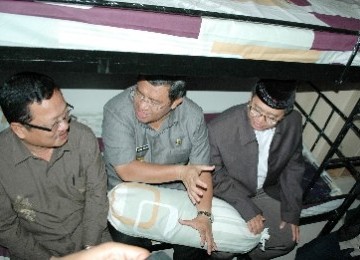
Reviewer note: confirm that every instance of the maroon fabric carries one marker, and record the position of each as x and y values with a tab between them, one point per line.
300	2
209	116
172	24
333	41
4	252
101	144
336	21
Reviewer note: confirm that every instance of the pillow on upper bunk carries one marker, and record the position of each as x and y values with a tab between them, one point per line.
153	212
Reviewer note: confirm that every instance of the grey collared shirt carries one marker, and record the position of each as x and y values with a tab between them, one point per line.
182	138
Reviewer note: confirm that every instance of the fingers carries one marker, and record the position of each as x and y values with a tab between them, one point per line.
296	233
256	224
187	223
193	200
200	185
211	246
206	168
194	197
204	229
282	224
202	238
206	238
195	187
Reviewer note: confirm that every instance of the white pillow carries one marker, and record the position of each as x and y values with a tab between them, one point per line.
152	212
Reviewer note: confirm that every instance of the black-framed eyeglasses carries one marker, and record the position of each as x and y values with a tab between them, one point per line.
255	112
67	118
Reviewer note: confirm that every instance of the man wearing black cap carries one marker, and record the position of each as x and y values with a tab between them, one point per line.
257	150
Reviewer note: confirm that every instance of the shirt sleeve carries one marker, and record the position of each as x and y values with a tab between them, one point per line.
291	191
118	135
200	151
96	202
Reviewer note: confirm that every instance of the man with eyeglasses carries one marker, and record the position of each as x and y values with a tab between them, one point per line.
154	134
257	150
52	178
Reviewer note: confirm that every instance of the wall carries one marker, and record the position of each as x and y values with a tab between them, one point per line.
345	101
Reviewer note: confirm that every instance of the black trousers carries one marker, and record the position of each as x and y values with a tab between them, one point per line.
180	252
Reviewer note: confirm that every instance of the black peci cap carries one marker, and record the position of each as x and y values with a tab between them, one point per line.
278	94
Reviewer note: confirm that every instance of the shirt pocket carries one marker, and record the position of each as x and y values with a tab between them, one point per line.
77	186
179	156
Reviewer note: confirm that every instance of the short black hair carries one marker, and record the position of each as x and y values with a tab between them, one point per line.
20	91
177	86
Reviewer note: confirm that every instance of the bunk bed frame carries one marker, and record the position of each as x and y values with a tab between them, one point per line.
334	159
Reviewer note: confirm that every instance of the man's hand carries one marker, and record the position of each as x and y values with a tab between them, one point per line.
203	225
256	224
295	231
190	176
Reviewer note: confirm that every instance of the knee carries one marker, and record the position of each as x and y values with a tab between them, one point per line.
289	245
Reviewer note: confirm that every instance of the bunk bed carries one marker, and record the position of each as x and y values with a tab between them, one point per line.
335	158
297	39
212	44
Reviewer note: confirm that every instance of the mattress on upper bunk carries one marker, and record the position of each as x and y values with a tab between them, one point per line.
84	27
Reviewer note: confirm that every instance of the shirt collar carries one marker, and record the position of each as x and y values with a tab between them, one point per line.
21	153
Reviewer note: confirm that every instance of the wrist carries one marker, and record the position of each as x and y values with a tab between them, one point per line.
180	170
207	214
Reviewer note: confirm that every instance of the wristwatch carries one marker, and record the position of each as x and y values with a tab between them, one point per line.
207	214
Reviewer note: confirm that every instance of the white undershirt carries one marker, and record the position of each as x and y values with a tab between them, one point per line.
264	139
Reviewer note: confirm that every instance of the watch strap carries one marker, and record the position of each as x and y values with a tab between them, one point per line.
207	214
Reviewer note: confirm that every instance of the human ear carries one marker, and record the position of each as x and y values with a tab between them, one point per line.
176	102
18	129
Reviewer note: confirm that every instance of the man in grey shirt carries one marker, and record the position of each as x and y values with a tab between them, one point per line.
154	134
52	179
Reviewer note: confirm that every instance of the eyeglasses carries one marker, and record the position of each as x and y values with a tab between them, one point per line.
255	112
152	103
67	118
